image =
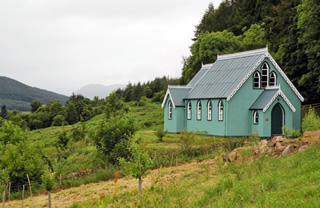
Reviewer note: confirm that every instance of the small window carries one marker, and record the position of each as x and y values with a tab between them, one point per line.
273	79
220	107
170	110
264	75
199	110
189	110
209	110
255	117
256	80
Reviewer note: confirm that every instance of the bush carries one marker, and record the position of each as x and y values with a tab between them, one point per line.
58	120
186	143
311	121
293	133
160	133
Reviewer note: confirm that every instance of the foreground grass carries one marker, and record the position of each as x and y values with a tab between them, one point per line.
292	181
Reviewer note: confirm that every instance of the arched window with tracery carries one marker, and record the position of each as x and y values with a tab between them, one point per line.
264	75
255	117
170	110
273	79
209	110
256	80
199	110
189	110
220	107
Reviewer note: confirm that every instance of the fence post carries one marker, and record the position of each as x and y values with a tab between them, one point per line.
30	190
60	180
176	159
9	195
22	195
4	196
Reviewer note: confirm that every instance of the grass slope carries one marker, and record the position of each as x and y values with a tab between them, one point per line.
292	181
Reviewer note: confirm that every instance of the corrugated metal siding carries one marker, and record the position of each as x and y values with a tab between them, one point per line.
263	99
220	80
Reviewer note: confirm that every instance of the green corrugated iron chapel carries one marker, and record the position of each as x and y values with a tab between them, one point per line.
239	94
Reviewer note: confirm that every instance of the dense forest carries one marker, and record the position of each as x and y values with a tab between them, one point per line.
290	28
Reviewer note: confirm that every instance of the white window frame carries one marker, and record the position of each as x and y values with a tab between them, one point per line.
220	109
209	110
265	68
258	82
189	110
199	110
169	110
275	79
255	117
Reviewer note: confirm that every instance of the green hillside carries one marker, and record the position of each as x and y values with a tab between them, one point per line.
18	96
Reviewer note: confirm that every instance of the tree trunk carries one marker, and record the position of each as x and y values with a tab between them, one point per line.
140	183
49	199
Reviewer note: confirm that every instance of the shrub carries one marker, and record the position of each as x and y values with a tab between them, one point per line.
231	144
58	120
254	137
311	121
160	133
186	142
293	133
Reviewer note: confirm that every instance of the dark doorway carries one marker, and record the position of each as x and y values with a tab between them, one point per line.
277	120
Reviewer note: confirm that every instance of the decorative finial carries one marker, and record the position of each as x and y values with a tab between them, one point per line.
267	47
217	55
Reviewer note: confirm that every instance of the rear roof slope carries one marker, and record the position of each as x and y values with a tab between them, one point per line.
224	75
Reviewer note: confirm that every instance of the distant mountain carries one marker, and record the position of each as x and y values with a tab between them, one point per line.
16	95
92	90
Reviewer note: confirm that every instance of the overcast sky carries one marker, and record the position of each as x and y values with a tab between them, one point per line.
63	45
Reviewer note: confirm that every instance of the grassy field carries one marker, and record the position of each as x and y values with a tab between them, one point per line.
83	155
186	173
292	181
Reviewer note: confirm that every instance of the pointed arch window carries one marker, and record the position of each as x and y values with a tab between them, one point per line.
273	79
170	110
255	117
189	110
209	110
264	75
220	107
256	80
199	110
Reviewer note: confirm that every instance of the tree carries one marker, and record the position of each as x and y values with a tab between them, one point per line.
58	120
35	105
254	38
4	111
111	137
308	24
48	182
139	162
72	114
4	180
205	51
114	106
19	155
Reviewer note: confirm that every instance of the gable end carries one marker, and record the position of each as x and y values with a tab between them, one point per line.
267	55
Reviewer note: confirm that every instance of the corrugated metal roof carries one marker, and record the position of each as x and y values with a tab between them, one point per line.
198	75
224	75
264	99
178	93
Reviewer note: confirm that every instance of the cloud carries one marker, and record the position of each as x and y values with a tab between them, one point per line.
63	45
